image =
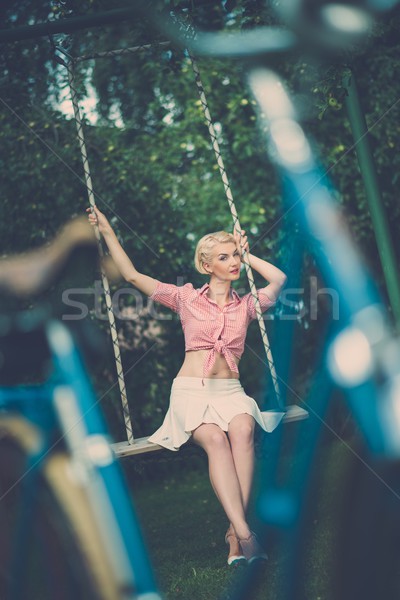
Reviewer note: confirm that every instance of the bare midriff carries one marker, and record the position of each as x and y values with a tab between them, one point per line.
194	363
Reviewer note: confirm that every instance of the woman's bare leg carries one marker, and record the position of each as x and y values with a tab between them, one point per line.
223	475
241	437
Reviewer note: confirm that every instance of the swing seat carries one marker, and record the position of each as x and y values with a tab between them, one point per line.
142	445
139	446
294	413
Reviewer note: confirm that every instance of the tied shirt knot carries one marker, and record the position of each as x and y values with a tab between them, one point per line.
220	348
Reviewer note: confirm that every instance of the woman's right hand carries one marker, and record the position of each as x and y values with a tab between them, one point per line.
96	217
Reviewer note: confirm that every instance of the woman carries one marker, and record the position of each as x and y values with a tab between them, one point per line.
207	402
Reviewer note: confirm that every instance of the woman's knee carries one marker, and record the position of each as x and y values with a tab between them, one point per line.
218	440
211	438
241	430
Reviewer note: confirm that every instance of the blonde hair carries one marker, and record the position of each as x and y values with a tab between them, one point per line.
203	253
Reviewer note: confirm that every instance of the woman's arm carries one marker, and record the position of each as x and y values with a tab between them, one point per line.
144	283
275	277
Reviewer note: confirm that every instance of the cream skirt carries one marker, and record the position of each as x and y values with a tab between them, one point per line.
194	401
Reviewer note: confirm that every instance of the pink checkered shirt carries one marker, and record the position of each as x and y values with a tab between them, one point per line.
205	325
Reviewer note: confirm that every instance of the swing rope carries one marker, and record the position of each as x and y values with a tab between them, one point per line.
69	64
237	227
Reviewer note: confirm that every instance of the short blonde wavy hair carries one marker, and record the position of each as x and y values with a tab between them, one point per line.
205	245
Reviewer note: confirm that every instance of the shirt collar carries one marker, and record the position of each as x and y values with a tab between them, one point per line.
204	289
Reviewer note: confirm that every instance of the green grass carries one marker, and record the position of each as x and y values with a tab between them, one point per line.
184	526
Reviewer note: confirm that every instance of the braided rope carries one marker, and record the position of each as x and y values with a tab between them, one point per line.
106	286
237	227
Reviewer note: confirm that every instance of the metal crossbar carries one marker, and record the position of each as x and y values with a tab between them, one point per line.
120	51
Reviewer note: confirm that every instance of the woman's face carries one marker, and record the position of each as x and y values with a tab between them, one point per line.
225	263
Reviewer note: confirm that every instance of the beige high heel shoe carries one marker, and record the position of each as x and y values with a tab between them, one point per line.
252	549
235	552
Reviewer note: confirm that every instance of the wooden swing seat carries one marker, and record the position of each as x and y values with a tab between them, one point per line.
142	445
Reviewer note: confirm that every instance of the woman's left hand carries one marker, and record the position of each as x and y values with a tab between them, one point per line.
241	242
